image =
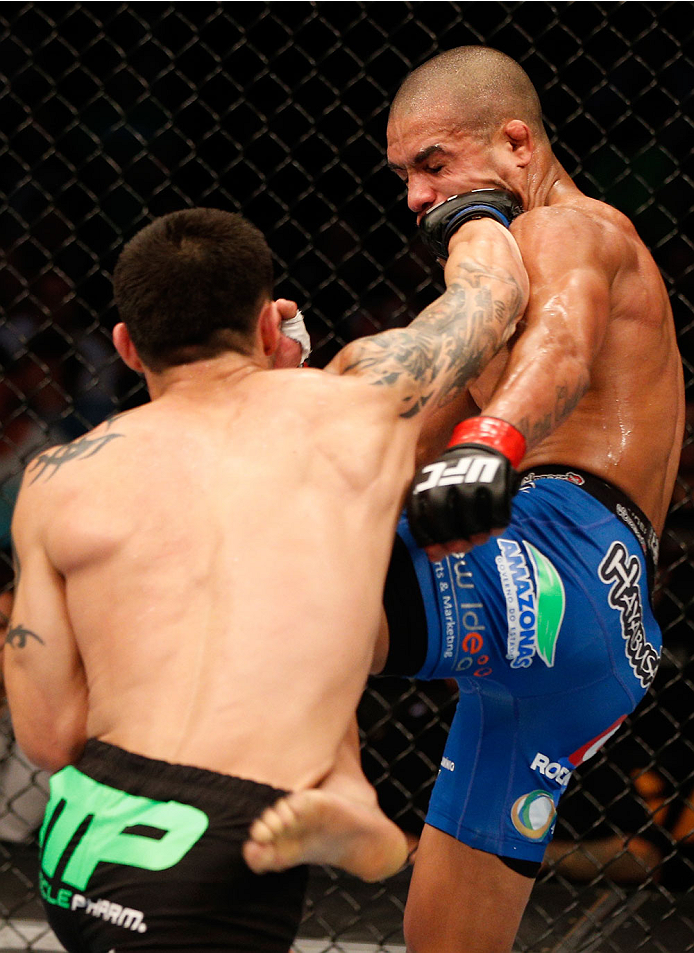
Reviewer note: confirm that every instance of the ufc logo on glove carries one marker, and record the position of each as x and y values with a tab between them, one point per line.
480	469
468	490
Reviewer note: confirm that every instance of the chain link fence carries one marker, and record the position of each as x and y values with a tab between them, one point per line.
113	113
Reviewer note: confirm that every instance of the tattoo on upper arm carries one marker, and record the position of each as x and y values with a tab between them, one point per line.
80	449
448	344
18	635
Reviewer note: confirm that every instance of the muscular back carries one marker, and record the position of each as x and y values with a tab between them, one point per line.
210	572
601	384
200	580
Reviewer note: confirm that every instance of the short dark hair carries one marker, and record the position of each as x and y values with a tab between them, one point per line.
191	284
485	87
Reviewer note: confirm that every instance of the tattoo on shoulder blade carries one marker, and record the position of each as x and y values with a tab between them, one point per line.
18	635
456	336
80	449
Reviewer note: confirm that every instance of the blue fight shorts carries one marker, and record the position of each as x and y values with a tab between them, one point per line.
549	633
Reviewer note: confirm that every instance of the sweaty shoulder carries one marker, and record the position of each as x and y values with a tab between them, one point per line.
599	245
576	233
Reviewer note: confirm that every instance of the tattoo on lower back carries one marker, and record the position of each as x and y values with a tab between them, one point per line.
52	460
449	343
18	636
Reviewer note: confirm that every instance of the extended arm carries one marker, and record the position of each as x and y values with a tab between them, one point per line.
431	362
44	676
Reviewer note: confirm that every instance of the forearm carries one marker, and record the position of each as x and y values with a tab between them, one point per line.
538	393
47	697
499	250
433	360
51	732
490	257
550	363
470	322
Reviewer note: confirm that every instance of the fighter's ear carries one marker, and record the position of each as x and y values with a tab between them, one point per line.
269	322
125	347
520	139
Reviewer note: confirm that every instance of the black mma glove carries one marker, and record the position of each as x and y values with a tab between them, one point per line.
469	489
445	219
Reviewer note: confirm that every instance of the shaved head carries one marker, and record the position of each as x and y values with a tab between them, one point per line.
484	87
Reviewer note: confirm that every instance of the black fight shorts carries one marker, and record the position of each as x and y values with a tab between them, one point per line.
139	854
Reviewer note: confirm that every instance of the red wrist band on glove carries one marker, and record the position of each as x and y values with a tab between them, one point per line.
494	433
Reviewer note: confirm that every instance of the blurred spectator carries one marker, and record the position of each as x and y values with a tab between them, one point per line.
58	381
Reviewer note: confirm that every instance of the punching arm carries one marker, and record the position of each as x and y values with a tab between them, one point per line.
430	364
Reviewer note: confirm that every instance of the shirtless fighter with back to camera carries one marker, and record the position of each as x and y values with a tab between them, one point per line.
199	587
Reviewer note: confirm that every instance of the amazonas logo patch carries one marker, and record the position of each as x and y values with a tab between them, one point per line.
533	814
535	602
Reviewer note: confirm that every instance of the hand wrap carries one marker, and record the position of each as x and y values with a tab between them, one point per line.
469	489
445	219
295	329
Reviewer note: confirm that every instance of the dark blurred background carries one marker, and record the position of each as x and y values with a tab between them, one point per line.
114	113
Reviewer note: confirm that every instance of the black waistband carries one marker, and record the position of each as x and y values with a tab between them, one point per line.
614	499
164	780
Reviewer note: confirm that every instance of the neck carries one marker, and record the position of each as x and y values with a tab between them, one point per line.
204	377
549	183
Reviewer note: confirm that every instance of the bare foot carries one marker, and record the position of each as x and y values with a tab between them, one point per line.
318	827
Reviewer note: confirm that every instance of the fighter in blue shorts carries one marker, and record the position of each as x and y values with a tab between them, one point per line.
549	633
553	642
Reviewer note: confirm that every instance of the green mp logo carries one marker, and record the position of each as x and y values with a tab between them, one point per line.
92	819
